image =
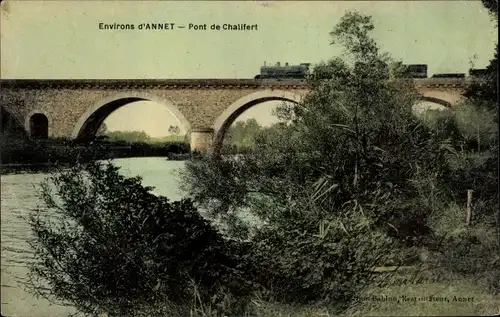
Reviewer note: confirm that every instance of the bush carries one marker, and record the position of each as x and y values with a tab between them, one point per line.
468	251
477	125
331	264
475	165
106	243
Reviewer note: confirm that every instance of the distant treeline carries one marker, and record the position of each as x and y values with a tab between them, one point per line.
243	135
141	136
117	144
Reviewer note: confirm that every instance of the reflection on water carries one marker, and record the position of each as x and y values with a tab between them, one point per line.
19	197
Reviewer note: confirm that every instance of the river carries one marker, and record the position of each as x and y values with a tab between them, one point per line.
19	197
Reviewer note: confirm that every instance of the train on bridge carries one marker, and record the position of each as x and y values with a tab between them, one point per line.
284	72
302	72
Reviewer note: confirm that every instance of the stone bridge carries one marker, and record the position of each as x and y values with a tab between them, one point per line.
205	107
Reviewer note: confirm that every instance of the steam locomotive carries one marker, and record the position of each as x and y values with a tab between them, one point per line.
416	70
278	72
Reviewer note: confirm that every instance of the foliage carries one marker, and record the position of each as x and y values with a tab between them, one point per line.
129	136
484	91
492	6
352	154
174	130
64	151
143	137
459	297
332	264
26	151
242	134
357	135
472	251
477	125
467	251
106	243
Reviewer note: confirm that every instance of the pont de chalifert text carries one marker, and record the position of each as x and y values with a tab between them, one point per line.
173	26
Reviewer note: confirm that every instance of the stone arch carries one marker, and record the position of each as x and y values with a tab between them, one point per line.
224	121
37	124
435	100
419	108
90	121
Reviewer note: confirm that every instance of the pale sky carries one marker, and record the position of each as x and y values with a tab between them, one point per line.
62	39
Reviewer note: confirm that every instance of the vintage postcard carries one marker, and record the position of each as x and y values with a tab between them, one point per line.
249	158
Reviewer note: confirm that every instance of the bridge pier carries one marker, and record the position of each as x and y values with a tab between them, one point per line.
202	140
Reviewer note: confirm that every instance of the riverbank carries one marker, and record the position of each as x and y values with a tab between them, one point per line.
460	298
18	198
47	167
19	168
19	155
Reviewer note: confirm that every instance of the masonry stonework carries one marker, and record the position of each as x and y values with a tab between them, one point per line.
202	139
76	108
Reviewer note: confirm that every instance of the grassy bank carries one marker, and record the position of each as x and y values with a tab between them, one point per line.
458	298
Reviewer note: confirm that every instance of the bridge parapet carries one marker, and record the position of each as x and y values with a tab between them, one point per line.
195	83
150	83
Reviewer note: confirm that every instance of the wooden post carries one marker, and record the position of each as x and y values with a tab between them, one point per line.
469	206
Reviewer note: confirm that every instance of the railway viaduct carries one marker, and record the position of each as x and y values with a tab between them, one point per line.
205	107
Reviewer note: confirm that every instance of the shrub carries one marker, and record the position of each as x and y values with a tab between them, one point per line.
331	264
106	243
477	125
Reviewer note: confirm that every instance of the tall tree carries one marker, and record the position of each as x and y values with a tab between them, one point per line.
484	91
175	130
492	6
243	133
130	136
353	158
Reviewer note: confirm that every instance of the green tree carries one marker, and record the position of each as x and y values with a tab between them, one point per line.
484	91
492	6
129	136
353	160
175	130
242	134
